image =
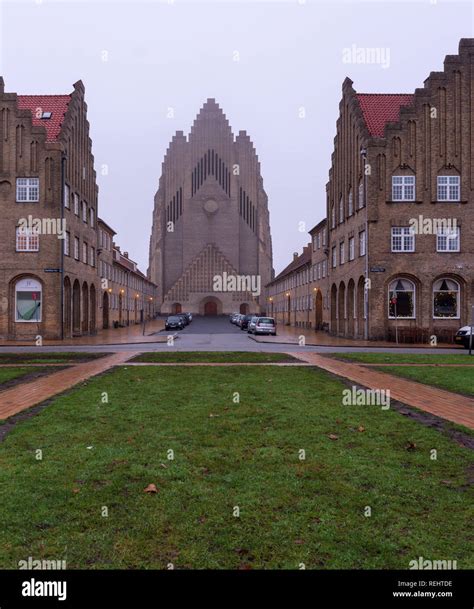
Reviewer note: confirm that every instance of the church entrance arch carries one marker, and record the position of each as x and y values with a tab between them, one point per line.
210	306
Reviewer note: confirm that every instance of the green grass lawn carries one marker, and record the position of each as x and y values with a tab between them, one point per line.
457	379
228	454
406	358
48	357
247	357
9	374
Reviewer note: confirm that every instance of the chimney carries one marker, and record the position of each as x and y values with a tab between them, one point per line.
295	256
125	254
2	85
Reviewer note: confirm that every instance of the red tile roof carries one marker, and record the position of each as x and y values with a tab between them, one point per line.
57	104
381	108
296	263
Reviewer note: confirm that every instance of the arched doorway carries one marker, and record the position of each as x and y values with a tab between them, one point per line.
360	307
76	309
210	308
105	310
67	307
93	305
334	309
318	307
244	309
350	308
176	308
341	309
85	308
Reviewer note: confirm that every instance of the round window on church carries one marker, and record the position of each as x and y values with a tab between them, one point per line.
211	206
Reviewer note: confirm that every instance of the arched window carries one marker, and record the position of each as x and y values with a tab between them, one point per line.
350	204
446	298
28	300
361	193
401	299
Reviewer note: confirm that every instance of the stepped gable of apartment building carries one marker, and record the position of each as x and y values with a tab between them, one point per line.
401	158
50	283
44	143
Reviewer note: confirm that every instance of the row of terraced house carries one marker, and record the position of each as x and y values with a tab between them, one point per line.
62	274
393	259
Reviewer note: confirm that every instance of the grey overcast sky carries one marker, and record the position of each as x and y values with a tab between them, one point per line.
139	59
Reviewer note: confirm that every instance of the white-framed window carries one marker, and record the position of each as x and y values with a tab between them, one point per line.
67	195
75	197
448	240
449	188
362	243
76	248
318	240
446	299
28	300
341	210
350	204
334	257
27	190
92	256
361	193
401	299
91	217
324	237
351	248
342	256
319	270
403	239
403	188
84	252
27	240
333	216
67	243
84	211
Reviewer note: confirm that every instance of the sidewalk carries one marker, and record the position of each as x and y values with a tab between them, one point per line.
451	406
25	395
113	336
291	336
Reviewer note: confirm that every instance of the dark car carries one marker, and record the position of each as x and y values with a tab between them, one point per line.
184	317
189	317
463	336
244	322
174	322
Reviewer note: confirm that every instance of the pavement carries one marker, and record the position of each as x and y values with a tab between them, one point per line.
214	334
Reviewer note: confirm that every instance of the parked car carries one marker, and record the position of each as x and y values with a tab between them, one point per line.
189	317
232	317
463	336
251	324
174	322
264	325
244	322
184	317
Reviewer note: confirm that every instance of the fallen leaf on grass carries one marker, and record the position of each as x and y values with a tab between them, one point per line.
361	428
76	490
163	466
299	542
410	446
332	436
151	488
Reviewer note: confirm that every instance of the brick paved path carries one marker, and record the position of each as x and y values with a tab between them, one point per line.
26	395
444	404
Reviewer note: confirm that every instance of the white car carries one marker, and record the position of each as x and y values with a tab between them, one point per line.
463	336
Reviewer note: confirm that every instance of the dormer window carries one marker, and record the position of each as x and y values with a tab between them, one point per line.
403	188
449	188
46	115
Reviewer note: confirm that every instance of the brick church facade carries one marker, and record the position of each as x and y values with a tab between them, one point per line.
210	248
